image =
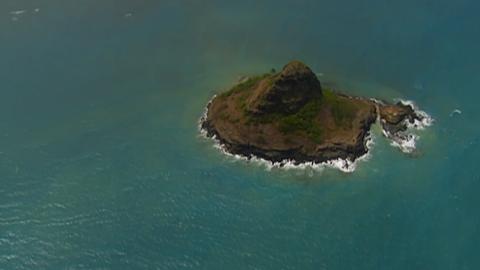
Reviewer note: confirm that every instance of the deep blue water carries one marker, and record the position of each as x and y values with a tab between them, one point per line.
101	165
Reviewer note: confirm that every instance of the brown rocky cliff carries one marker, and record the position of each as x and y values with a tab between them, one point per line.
285	92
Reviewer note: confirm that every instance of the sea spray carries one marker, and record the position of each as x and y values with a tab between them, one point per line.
406	140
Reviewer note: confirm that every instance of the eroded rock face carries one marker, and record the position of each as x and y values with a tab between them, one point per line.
394	116
286	92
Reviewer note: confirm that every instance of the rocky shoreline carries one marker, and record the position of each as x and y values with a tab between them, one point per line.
343	158
236	137
294	155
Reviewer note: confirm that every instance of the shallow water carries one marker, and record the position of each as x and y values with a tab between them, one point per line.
102	165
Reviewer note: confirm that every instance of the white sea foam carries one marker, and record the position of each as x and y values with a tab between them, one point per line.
377	101
18	12
344	165
406	144
406	140
454	112
203	118
426	120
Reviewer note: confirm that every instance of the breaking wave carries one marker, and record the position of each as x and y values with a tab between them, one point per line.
406	140
344	165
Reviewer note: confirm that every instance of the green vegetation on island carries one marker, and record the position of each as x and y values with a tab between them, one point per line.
289	115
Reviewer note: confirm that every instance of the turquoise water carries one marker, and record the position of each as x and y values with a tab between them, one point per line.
101	165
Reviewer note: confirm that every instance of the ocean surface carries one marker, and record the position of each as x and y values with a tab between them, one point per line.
102	165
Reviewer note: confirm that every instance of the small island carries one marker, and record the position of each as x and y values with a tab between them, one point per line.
289	116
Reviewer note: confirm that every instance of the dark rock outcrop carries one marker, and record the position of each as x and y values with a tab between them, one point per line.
395	118
287	91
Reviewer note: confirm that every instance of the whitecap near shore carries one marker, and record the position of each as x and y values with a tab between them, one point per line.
18	12
406	140
344	165
426	120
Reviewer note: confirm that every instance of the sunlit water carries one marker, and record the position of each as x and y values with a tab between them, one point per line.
102	165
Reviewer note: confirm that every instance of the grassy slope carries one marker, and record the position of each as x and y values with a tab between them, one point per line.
342	109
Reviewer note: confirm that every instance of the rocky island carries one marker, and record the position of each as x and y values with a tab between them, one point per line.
289	117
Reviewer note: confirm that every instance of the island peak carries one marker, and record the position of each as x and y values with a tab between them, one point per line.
285	92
